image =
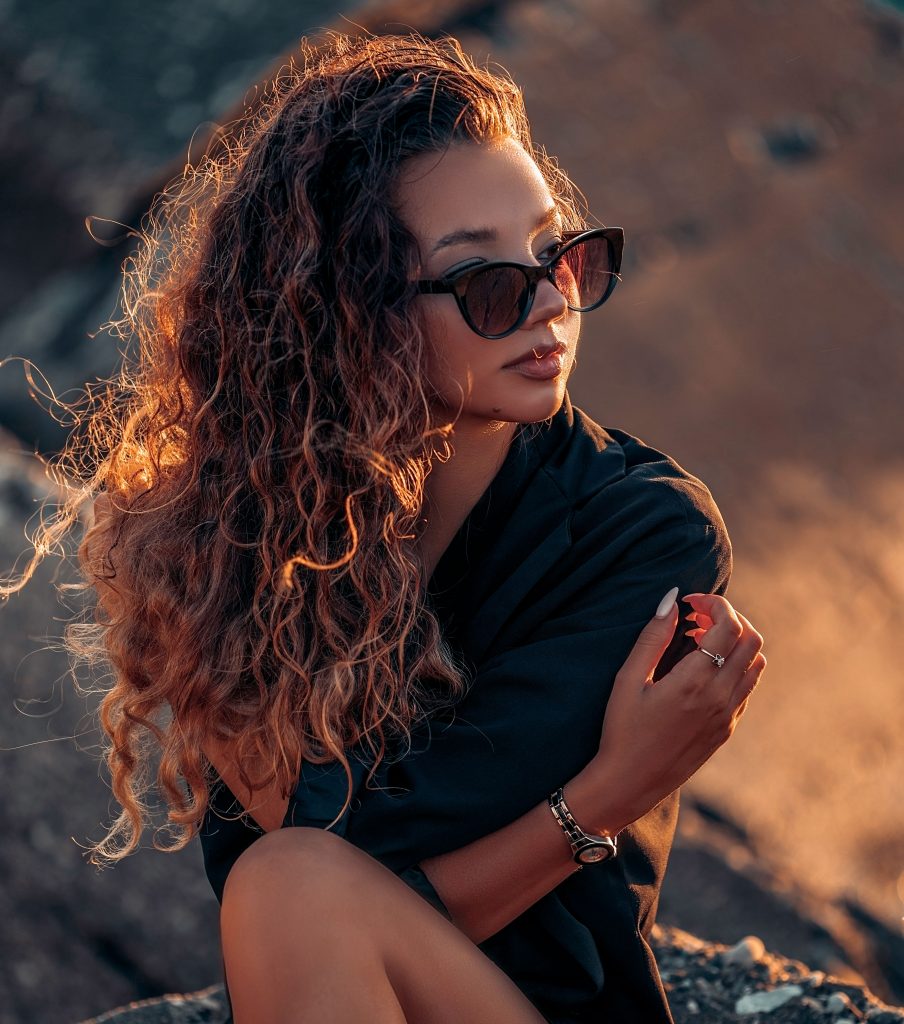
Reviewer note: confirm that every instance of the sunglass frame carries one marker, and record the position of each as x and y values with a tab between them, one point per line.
457	283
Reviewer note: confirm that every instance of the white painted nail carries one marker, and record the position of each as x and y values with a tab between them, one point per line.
667	604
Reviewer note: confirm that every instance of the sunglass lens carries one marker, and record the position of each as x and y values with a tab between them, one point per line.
495	299
584	274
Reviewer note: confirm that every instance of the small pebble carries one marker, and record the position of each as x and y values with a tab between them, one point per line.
766	1002
746	953
692	1006
840	1002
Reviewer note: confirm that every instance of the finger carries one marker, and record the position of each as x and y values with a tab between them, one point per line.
745	650
701	618
709	604
724	634
750	630
748	682
709	608
652	642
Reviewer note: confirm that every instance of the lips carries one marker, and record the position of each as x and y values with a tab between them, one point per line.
548	368
538	352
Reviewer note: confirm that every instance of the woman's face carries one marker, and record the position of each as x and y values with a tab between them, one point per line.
488	202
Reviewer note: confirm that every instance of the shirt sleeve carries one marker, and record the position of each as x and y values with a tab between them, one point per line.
533	715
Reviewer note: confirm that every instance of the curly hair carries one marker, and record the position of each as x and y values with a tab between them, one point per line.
258	462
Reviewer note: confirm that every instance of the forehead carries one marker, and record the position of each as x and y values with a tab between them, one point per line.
494	185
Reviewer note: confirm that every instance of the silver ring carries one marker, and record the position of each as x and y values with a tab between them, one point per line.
719	659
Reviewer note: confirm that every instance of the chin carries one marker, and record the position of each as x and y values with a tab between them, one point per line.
540	406
525	409
529	402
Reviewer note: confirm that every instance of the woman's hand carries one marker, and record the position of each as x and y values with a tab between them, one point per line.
657	734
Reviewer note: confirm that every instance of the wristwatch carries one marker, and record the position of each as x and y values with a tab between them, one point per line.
586	849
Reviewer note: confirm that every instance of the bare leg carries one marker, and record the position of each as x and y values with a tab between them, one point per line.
315	930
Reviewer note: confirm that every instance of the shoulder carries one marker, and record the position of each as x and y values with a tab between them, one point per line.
625	495
600	469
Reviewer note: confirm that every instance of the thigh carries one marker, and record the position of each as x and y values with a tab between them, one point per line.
304	896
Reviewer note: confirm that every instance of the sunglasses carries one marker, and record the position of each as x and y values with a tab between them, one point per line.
495	298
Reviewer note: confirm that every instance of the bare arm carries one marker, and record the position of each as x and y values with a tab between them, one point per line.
489	882
655	736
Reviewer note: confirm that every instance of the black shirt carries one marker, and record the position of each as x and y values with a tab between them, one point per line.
543	591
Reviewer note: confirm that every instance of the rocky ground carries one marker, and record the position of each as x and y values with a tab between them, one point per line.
715	984
749	150
707	984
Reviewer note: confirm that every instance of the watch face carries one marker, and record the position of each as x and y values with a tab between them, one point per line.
595	853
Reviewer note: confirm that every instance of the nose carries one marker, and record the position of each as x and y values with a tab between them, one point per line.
549	304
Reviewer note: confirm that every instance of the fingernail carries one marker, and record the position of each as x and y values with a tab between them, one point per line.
667	604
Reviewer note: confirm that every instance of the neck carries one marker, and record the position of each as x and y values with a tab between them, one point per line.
453	488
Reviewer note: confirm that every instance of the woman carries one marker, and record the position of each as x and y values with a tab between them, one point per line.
364	570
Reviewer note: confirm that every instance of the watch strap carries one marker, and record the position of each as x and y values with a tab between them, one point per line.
577	837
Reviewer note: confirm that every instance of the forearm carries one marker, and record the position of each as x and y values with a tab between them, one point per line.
489	882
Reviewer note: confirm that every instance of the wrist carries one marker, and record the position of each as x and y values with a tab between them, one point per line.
596	802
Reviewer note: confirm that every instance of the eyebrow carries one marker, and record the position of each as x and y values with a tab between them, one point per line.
478	236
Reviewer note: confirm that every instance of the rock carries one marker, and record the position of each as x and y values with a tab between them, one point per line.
746	952
766	1002
809	1003
715	863
208	1006
705	987
840	1002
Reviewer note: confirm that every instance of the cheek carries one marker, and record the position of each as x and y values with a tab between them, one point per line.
444	371
451	345
571	328
436	331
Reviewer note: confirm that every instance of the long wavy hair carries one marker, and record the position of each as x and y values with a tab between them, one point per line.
257	463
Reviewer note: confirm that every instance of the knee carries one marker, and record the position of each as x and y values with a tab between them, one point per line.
286	869
280	855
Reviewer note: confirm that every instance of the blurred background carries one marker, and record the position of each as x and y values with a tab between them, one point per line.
754	154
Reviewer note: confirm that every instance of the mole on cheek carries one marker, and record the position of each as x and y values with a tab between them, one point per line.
497	408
